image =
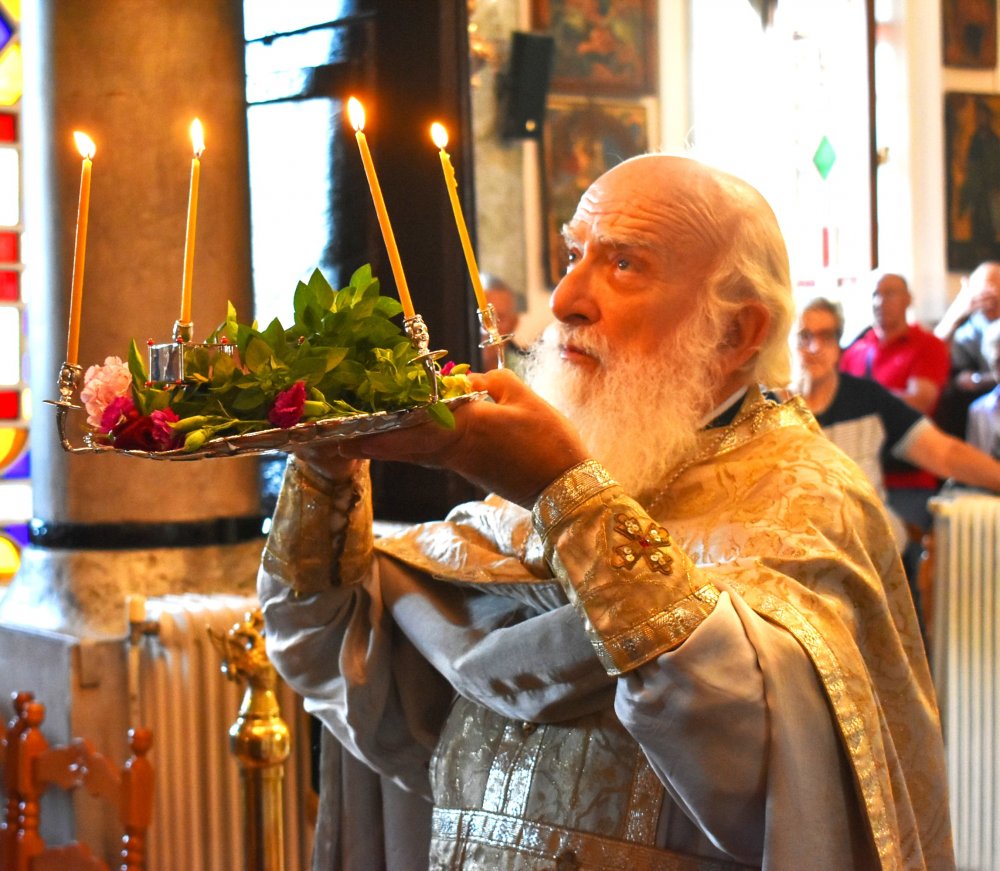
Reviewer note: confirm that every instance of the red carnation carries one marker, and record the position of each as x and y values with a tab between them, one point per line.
288	406
137	434
163	432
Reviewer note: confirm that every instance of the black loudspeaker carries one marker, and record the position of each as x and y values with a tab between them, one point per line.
522	88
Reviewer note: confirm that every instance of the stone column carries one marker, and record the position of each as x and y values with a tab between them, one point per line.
132	74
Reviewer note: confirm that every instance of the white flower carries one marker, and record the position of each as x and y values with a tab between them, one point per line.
102	385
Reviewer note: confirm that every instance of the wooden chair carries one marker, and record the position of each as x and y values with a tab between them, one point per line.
31	766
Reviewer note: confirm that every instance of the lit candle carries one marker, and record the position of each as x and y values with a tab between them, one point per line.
356	113
440	137
198	144
85	145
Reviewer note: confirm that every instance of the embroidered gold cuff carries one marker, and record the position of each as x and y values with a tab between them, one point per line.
321	532
567	492
637	591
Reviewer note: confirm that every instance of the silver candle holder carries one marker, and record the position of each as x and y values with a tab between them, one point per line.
168	360
69	382
420	338
494	339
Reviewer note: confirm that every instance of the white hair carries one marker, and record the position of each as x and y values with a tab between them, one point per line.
755	267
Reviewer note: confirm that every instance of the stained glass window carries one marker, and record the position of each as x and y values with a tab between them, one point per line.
10	75
10	200
15	461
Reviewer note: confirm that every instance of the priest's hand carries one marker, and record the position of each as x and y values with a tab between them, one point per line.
514	446
326	462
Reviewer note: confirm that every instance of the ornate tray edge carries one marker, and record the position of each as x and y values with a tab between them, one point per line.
278	440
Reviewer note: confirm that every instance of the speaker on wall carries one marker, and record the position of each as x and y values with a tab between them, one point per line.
523	86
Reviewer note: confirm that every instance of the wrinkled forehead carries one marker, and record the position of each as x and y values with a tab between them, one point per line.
676	207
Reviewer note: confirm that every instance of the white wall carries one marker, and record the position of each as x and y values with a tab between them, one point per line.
916	247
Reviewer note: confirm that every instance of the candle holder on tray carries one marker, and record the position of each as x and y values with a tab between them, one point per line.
420	338
494	338
169	362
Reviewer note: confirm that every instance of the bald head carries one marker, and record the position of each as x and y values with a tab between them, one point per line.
717	232
890	301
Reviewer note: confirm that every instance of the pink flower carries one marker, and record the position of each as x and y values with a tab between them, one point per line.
447	367
288	406
102	385
163	433
120	410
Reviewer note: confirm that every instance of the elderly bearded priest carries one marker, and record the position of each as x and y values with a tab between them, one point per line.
678	636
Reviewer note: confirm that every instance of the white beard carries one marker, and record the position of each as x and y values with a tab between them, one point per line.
638	417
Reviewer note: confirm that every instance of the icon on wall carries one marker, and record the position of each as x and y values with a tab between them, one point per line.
972	155
969	33
601	47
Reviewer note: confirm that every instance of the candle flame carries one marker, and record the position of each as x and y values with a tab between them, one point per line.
84	144
439	135
356	113
197	137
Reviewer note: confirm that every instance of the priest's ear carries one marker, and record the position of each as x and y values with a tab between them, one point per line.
748	330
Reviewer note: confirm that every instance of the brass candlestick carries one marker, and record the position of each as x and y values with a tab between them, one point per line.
259	739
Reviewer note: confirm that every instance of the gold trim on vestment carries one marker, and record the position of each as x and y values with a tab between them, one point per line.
873	780
635	610
321	529
555	846
509	782
574	486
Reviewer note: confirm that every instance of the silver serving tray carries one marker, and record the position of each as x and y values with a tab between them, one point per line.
285	440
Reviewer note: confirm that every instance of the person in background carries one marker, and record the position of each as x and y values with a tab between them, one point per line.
963	326
903	357
912	363
501	296
873	426
984	414
677	633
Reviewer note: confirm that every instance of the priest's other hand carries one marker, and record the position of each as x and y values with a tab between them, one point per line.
514	446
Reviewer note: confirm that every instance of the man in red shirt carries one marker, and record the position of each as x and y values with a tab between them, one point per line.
914	364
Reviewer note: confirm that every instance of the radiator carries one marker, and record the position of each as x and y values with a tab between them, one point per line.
965	657
190	705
